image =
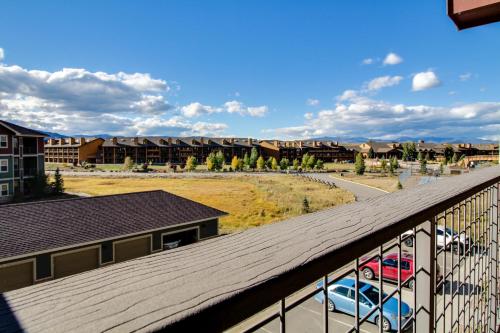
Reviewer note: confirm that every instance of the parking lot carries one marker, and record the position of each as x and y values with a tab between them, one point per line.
308	316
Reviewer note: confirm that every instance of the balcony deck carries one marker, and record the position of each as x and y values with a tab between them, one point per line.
218	283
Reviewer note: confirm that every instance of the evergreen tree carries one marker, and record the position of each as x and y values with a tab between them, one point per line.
319	164
428	156
261	164
269	163
284	163
383	165
191	163
423	166
420	156
359	165
311	162
441	168
448	153
454	159
295	164
305	160
128	164
254	155
246	160
274	164
219	161
235	163
305	205
58	183
371	153
409	151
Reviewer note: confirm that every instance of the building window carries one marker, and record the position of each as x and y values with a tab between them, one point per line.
4	141
4	166
4	190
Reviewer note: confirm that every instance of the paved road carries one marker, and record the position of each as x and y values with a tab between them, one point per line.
361	192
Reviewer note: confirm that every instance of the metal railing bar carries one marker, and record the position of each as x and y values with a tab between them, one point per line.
325	304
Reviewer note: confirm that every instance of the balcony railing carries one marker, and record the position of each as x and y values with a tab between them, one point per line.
276	278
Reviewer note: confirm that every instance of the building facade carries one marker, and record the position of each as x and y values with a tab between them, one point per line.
21	159
46	240
71	150
326	151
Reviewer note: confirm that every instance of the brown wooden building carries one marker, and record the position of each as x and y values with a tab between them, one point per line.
326	151
71	150
171	149
42	241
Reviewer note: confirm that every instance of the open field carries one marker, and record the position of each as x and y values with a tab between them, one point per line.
250	200
384	182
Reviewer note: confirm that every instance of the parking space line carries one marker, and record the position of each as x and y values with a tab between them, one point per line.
334	319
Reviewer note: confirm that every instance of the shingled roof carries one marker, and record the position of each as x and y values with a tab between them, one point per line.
49	225
19	130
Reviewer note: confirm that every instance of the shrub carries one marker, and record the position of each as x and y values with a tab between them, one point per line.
359	165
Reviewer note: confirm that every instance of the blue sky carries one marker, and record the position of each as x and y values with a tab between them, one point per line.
379	69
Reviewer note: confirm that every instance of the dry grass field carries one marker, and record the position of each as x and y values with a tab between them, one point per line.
250	200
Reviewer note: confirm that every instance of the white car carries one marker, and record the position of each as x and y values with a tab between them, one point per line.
445	237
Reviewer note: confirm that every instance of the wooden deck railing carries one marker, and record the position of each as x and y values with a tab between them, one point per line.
212	285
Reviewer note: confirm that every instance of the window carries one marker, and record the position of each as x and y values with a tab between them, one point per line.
440	232
405	265
390	263
4	190
4	166
4	141
342	291
363	300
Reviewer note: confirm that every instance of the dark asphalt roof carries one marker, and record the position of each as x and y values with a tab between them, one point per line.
41	226
19	130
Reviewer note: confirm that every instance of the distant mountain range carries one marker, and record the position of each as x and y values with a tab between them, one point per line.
405	139
351	139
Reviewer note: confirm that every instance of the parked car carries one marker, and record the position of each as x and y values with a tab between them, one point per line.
390	268
445	237
341	298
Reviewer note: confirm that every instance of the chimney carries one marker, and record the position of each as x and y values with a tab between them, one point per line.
276	143
52	141
202	140
136	140
169	140
301	143
83	141
250	141
231	141
62	141
114	140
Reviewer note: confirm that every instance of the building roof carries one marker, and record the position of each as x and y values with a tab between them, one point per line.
50	225
67	142
153	141
21	131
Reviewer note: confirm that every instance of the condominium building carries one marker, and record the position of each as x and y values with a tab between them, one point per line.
21	159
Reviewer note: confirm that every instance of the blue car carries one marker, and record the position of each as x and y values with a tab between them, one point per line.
341	298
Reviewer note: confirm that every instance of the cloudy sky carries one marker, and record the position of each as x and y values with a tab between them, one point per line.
256	68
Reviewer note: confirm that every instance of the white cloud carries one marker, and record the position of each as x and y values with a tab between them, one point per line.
465	77
308	115
312	102
392	59
240	108
2	54
368	61
197	109
383	82
378	119
78	101
425	80
348	95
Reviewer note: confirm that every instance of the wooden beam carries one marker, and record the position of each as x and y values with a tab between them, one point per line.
471	13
